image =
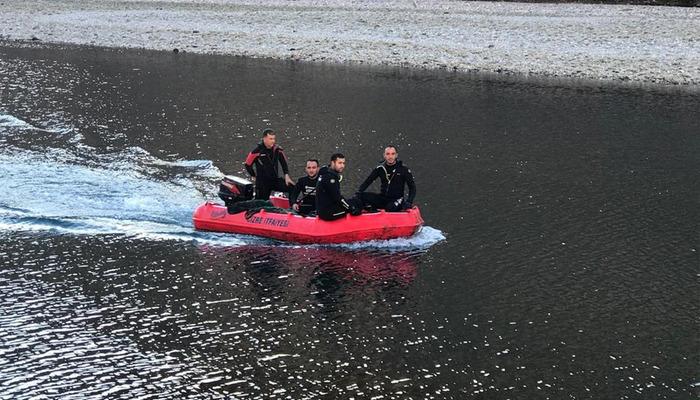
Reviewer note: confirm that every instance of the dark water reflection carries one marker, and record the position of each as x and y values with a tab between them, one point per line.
569	270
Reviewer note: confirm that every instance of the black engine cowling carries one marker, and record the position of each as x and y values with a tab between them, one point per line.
233	189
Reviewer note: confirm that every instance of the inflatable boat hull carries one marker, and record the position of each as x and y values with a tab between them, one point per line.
295	228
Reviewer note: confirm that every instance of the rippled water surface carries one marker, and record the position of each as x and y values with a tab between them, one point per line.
559	258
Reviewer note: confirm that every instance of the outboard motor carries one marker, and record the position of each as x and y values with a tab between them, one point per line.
233	189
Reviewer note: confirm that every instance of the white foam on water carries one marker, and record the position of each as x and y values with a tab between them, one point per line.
426	237
422	240
82	191
10	121
139	229
204	168
187	163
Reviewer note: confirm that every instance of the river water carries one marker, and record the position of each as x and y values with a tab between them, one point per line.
559	258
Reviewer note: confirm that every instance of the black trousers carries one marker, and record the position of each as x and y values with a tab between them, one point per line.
263	187
379	201
337	211
333	214
306	209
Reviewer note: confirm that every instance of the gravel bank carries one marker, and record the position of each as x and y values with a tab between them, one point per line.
607	42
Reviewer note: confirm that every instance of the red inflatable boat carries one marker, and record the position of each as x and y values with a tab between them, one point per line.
295	228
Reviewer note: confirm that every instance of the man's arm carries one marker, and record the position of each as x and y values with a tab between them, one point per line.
411	186
298	188
252	156
333	188
285	167
283	161
372	176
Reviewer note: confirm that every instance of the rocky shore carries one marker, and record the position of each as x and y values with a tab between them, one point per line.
601	42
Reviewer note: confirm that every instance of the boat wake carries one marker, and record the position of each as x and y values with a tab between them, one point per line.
53	182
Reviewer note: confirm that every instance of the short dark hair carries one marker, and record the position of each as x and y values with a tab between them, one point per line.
392	146
313	160
268	131
336	156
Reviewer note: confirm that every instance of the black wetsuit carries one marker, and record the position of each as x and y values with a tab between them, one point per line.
266	170
330	204
305	186
393	180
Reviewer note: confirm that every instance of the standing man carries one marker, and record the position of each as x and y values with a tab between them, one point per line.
331	205
265	158
394	177
306	186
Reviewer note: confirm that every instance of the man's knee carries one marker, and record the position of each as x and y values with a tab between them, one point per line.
356	205
332	217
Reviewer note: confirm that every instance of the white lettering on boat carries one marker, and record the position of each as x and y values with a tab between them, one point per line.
282	223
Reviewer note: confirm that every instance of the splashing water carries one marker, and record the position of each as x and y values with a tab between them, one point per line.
80	190
9	121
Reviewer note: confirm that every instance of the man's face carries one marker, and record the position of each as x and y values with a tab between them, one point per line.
390	155
311	168
338	165
269	140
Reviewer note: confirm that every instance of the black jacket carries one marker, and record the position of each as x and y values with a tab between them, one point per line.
265	161
328	198
393	178
307	188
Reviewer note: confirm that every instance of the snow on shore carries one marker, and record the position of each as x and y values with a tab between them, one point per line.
608	42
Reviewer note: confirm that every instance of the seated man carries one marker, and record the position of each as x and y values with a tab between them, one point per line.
394	176
330	204
305	186
262	165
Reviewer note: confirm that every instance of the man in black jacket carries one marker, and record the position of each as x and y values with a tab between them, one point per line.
262	165
330	204
394	176
306	186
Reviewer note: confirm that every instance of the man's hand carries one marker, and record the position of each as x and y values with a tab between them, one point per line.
354	210
288	180
295	207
